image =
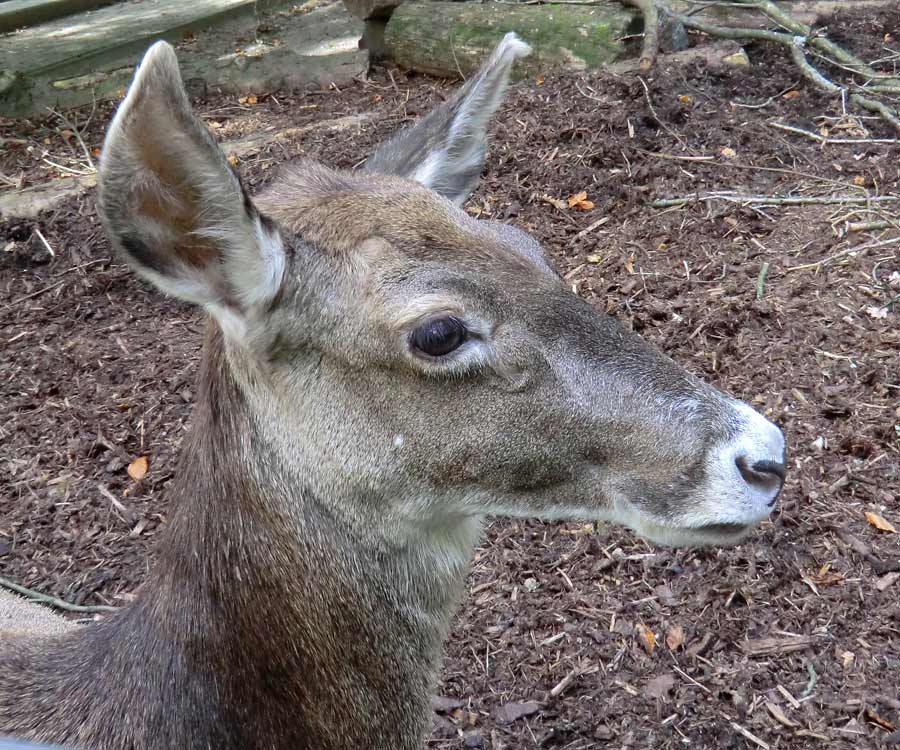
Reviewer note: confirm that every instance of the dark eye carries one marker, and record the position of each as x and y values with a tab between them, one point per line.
439	336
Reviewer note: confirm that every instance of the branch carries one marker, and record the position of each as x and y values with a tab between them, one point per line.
36	596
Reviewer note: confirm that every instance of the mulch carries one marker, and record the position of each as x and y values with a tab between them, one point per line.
574	635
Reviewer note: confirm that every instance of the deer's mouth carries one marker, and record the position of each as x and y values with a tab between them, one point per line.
724	529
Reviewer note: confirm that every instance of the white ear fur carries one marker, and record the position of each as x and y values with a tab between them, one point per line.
174	207
445	151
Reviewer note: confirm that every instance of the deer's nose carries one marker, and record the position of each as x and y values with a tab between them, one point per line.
766	476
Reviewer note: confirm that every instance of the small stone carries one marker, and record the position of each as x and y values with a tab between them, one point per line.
738	59
474	739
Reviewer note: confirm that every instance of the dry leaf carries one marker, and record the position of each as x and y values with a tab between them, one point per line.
95	152
555	202
675	637
594	258
880	523
876	719
792	94
66	133
647	638
137	469
539	80
251	99
659	687
232	160
580	200
684	99
847	658
629	263
728	153
877	313
214	124
859	180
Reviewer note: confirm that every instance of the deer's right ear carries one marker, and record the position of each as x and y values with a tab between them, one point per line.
174	207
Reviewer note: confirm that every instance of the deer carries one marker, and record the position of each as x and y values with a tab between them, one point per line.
380	373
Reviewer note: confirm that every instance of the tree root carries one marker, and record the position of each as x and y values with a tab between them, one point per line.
798	38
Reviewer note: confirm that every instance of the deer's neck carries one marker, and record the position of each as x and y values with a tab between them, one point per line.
265	623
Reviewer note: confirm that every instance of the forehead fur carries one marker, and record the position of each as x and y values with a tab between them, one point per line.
339	211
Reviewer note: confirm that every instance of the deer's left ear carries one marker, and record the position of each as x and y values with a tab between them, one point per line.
445	151
174	207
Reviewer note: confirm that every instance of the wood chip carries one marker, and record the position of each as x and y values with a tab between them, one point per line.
750	736
788	697
770	646
780	716
888	579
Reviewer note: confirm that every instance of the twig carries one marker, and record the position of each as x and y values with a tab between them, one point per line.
849	251
865	226
587	230
750	736
68	124
650	48
44	240
773	200
692	680
656	116
825	140
761	280
38	293
52	601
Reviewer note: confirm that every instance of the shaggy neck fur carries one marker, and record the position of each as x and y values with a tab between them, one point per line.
255	629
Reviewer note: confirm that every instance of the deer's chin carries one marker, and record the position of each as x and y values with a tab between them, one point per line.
712	534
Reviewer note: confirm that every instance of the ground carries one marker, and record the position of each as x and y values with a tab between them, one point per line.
571	636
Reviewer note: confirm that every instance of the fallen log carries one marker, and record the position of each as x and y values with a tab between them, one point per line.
452	39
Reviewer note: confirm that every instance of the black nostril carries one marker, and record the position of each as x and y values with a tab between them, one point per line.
761	473
770	467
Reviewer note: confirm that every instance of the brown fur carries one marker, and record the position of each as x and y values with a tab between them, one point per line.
335	477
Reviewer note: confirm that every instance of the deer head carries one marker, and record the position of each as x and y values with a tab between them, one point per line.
417	367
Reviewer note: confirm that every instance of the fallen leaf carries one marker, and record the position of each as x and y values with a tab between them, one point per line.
579	200
659	687
792	94
629	263
66	133
684	99
728	153
847	658
880	523
876	719
95	152
137	469
646	636
539	80
594	258
859	180
232	160
675	637
214	124
509	712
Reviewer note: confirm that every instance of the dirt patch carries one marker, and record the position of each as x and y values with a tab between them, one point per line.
551	648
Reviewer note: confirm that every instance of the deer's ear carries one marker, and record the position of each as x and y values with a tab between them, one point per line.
174	207
445	151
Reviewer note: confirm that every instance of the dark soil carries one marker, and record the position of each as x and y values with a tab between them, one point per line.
551	649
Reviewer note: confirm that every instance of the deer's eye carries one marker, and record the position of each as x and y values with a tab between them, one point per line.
439	337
